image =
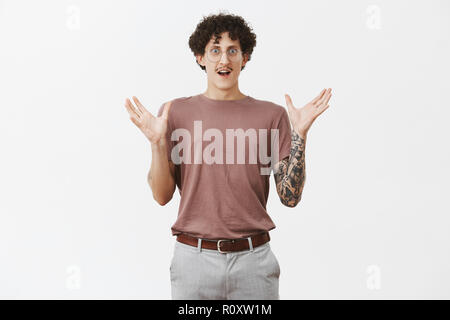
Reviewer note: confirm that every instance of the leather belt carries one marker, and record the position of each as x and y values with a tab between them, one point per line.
225	245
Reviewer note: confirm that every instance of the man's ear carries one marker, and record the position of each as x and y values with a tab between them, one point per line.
244	61
200	60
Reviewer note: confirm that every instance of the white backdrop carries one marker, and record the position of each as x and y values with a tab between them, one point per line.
78	219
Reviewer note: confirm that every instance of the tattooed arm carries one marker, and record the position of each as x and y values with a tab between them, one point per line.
289	173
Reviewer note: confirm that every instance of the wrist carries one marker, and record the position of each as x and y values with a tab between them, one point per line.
158	145
302	134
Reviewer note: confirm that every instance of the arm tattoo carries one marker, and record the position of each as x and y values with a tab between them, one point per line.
290	174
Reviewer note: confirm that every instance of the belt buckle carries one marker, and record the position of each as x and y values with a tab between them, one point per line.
218	246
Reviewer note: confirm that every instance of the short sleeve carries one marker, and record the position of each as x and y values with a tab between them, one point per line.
169	142
283	127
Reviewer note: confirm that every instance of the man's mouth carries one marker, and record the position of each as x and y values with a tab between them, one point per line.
224	73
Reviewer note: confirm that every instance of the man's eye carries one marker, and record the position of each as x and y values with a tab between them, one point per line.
214	50
233	51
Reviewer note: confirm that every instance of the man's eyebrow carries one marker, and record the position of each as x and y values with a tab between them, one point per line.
217	46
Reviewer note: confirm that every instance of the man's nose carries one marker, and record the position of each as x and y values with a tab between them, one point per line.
226	59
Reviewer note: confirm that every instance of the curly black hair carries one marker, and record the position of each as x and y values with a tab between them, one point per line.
215	24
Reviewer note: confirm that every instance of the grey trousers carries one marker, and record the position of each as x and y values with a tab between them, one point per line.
204	274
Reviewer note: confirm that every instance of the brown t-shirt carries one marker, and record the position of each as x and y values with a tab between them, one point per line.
225	198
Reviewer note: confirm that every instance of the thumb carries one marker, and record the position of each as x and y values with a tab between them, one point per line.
165	113
289	103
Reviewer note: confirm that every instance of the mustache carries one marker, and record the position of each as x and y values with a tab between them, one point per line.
224	68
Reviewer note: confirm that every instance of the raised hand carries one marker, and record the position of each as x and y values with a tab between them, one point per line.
154	128
303	118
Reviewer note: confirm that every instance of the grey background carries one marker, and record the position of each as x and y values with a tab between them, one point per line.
77	217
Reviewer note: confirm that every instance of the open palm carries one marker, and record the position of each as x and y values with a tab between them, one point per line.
154	128
303	118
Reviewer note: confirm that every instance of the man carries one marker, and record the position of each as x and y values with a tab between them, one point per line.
222	249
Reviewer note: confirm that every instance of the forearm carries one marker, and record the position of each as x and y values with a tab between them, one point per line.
159	177
290	175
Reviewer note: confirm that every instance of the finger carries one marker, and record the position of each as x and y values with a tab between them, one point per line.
139	105
289	102
165	113
324	95
131	109
318	97
324	100
327	99
136	109
135	121
322	109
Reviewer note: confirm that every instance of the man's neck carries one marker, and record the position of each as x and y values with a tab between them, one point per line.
218	94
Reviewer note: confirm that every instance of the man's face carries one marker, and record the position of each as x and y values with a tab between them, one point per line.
227	48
